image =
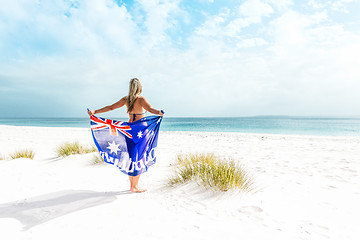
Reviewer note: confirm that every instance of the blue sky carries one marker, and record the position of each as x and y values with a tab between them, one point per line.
195	58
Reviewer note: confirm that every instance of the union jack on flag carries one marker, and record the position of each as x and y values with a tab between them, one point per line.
113	126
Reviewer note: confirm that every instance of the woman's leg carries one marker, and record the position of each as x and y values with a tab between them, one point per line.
131	181
134	181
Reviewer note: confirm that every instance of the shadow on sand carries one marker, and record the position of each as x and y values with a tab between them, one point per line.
37	210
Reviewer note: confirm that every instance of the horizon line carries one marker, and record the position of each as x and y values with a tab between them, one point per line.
245	116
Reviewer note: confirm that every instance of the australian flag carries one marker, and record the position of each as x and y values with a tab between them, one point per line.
129	146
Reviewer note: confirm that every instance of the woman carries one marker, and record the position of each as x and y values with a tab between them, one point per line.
136	106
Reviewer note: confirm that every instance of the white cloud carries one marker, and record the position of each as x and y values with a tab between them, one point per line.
291	30
311	60
158	20
213	26
15	9
250	12
101	27
338	5
281	5
251	42
315	4
230	23
255	9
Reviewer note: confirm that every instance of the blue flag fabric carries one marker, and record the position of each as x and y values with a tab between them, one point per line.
128	146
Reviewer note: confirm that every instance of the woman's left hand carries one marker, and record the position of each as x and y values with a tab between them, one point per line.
91	112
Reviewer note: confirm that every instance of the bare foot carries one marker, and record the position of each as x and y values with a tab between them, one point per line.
137	190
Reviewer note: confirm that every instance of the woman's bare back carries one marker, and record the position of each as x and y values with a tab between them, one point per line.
138	111
140	106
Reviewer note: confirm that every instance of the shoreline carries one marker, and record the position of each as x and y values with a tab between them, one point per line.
199	132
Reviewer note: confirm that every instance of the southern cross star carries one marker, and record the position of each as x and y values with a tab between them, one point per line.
113	147
139	134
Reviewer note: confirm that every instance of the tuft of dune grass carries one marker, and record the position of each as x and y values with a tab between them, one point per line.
2	157
211	172
25	153
70	148
98	159
90	149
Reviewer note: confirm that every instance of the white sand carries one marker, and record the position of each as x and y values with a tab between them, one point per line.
308	188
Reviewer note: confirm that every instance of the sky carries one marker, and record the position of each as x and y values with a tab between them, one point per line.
205	58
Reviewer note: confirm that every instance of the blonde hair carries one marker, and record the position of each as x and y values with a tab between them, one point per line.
135	89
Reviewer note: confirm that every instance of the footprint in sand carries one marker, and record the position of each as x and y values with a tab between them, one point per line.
250	213
250	209
315	230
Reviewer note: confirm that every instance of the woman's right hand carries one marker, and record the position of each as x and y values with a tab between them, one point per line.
91	112
162	113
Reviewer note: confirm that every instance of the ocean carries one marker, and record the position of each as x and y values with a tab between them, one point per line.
261	124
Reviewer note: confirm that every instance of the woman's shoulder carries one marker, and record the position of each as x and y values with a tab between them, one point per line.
141	98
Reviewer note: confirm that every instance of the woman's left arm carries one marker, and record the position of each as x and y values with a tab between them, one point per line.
146	105
111	107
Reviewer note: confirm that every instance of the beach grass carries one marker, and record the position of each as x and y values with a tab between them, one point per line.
69	148
24	153
98	159
90	149
211	172
2	157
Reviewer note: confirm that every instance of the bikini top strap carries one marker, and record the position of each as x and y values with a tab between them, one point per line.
134	114
139	113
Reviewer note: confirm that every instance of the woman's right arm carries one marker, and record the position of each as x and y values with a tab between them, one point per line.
146	105
116	105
